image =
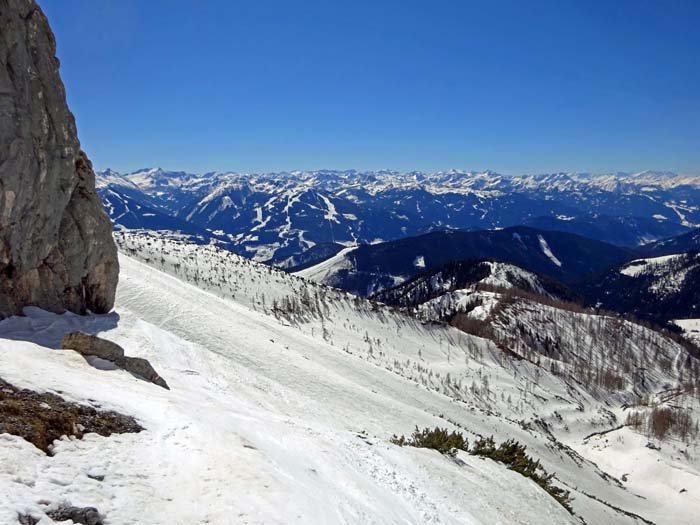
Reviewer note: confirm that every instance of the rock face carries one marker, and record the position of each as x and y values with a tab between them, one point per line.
56	248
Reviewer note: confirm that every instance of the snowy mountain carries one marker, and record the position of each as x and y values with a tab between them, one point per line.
285	394
129	207
623	231
658	288
368	269
461	277
681	243
310	257
276	216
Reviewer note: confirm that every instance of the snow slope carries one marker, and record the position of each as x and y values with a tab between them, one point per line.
638	266
324	270
659	288
278	414
547	251
454	282
691	328
254	431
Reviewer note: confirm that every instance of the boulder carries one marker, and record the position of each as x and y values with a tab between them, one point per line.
82	515
56	246
142	368
87	344
92	346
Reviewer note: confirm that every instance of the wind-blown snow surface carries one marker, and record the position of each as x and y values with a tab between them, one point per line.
279	418
262	426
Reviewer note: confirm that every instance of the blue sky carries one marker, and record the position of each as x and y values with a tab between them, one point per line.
513	86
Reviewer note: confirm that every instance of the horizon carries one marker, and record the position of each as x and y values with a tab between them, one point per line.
391	171
551	87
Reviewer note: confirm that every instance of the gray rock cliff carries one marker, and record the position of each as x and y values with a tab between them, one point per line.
56	248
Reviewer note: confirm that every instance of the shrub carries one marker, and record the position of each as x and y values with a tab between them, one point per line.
439	439
512	454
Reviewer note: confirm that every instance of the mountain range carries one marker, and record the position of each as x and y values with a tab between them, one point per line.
271	217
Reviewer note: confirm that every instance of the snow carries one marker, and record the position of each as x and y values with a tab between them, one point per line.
547	251
275	417
326	269
239	438
419	262
648	472
636	267
691	328
501	275
331	214
343	204
259	219
507	275
663	276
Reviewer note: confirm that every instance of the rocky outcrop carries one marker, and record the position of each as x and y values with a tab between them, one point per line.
87	344
82	515
142	368
56	248
42	418
92	346
61	513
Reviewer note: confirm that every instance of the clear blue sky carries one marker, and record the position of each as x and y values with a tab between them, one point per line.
515	86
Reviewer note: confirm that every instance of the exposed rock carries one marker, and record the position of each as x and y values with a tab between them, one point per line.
82	515
26	519
91	345
87	344
141	367
56	248
43	418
